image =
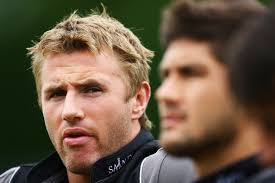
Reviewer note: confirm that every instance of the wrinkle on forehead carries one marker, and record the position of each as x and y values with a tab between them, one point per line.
83	72
79	68
57	82
62	80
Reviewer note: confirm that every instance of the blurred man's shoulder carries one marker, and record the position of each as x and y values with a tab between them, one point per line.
265	176
162	167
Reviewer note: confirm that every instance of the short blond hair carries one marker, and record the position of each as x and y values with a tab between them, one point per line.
94	32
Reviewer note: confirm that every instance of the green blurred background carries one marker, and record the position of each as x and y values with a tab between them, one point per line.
23	135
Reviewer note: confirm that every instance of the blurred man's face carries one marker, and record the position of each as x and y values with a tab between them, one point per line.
196	109
85	109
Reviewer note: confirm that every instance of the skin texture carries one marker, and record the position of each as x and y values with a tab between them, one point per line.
85	109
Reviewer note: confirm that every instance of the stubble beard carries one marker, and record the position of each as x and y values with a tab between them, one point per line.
81	168
80	164
213	139
118	137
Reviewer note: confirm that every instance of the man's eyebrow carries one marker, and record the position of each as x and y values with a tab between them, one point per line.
88	81
81	82
165	70
193	66
54	86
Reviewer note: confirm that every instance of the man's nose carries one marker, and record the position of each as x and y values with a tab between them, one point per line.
168	91
72	110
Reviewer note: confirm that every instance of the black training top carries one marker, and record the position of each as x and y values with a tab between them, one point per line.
120	167
234	173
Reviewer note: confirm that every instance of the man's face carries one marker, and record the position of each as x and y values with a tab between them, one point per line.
196	109
84	106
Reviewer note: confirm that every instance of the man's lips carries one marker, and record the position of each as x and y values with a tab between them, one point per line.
171	121
76	136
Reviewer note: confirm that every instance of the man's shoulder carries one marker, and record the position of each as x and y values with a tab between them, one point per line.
15	174
8	175
162	167
265	176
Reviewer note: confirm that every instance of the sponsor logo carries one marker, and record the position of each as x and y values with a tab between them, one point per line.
119	164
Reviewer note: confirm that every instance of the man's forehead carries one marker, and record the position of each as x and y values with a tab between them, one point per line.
78	80
178	62
85	68
184	52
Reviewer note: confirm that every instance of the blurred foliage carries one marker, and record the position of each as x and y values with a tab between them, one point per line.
267	1
24	138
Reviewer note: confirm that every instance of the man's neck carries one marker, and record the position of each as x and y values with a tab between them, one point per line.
77	178
267	155
245	144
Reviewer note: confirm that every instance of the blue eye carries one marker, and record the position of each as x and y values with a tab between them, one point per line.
92	89
58	93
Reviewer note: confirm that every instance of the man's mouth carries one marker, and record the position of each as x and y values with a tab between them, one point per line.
76	136
171	121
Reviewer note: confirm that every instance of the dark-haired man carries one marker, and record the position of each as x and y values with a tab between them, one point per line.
199	116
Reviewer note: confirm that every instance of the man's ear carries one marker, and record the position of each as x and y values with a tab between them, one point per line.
141	100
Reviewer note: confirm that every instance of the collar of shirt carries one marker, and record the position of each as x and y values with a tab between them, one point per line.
53	167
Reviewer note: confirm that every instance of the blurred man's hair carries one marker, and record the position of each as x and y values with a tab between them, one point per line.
211	21
252	67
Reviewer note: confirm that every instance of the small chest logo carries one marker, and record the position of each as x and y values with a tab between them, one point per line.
119	164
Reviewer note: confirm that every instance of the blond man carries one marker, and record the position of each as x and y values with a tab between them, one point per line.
91	75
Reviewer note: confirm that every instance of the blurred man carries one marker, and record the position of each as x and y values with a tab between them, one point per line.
252	74
91	75
199	115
